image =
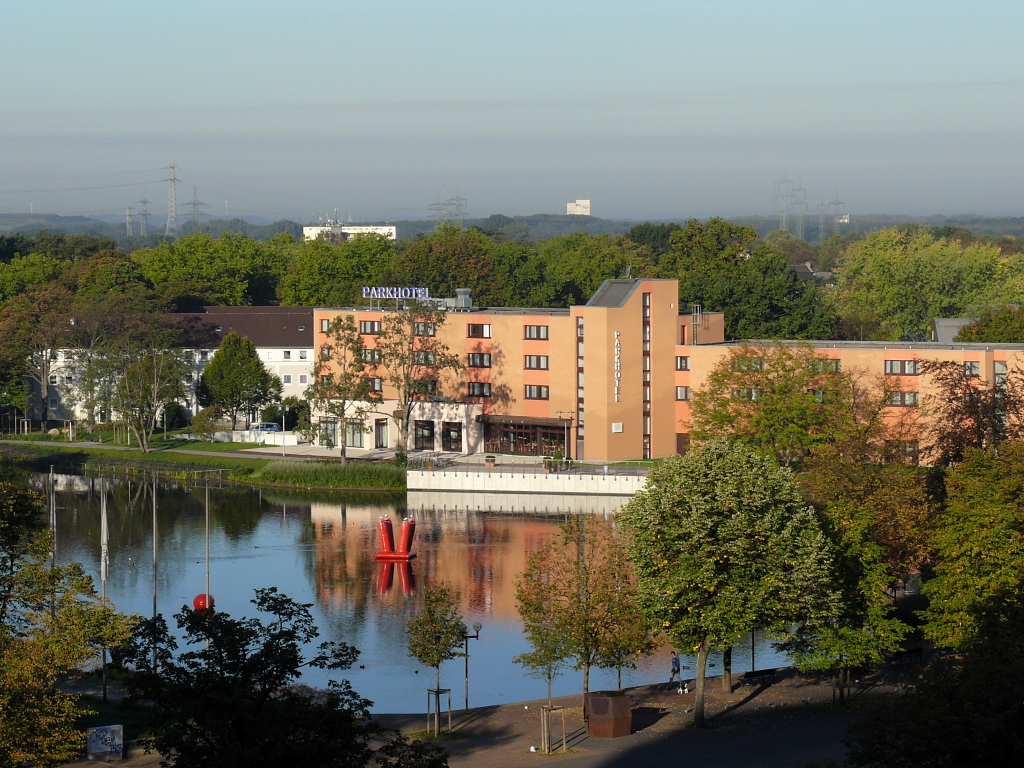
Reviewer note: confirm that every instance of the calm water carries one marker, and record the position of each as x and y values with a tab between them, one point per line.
319	550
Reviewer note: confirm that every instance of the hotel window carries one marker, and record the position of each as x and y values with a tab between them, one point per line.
354	431
54	403
371	356
287	354
682	393
579	327
537	362
647	363
69	379
477	331
647	304
821	366
325	326
286	378
972	369
746	393
479	359
426	386
536	332
424	329
536	392
478	389
53	378
325	353
748	363
302	355
204	355
647	396
369	327
375	383
999	373
682	363
421	357
902	367
902	399
303	378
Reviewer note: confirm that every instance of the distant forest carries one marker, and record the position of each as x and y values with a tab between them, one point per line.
535	227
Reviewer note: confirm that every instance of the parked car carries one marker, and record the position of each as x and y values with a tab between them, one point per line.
266	426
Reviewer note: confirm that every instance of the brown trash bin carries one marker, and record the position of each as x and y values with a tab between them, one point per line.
609	714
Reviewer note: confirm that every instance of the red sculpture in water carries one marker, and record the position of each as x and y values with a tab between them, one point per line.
388	552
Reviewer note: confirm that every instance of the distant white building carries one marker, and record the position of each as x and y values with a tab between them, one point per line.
347	232
579	208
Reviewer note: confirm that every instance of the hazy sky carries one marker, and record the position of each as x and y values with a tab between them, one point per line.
651	109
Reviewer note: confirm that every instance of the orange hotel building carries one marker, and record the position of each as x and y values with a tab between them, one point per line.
611	377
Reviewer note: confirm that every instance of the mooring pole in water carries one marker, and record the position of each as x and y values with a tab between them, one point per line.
155	561
104	557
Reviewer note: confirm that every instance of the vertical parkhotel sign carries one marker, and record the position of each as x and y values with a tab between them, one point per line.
617	372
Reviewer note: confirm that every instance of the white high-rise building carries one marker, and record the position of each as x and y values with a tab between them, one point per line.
579	208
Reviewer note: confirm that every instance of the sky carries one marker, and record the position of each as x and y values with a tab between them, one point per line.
653	110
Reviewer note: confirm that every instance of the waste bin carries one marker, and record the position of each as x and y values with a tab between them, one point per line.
609	714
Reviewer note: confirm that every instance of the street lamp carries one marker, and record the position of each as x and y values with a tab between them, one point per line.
567	424
477	626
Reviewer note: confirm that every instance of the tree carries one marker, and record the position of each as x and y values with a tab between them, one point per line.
340	386
961	710
1003	326
35	326
232	701
893	282
324	275
436	632
577	602
237	380
204	423
51	622
147	380
723	543
978	542
784	399
412	359
965	411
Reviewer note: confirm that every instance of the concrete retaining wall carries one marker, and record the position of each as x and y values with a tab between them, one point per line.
514	503
525	483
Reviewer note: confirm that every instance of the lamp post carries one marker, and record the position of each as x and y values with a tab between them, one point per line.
567	424
477	626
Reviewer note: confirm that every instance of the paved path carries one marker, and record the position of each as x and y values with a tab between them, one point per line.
785	725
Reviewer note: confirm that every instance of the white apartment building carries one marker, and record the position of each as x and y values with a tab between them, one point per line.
579	208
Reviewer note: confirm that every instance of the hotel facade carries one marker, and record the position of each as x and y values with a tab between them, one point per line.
607	380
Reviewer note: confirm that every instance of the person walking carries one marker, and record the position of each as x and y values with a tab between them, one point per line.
675	675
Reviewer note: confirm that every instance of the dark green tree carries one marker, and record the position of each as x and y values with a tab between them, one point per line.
232	701
237	380
723	543
1001	326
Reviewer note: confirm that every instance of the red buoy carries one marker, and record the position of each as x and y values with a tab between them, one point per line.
203	602
387	540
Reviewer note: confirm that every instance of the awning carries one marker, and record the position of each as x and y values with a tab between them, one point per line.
528	421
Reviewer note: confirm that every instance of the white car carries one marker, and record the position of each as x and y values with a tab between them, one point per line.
266	427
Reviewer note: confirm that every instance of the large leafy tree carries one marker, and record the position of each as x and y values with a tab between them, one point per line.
892	283
784	399
720	266
722	543
50	623
578	604
412	359
1001	326
236	379
321	274
979	542
148	378
231	699
340	386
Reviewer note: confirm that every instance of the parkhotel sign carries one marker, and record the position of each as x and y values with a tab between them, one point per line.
385	292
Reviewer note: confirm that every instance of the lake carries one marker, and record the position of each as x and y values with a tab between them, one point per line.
318	548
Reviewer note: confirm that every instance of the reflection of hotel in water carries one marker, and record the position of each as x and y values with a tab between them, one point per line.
477	555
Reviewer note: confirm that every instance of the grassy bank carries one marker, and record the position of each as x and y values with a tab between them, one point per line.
292	474
332	474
